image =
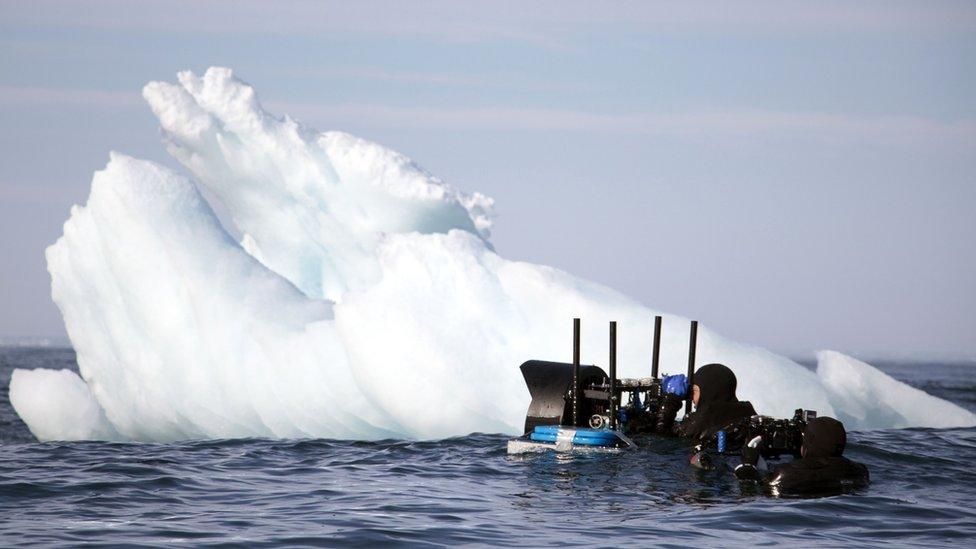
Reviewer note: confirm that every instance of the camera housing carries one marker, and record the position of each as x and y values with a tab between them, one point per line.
779	436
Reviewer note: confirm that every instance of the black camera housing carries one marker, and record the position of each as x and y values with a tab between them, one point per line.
779	436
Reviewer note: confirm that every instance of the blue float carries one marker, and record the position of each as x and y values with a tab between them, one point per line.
579	436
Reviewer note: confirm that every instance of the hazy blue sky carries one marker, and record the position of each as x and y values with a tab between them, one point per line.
799	175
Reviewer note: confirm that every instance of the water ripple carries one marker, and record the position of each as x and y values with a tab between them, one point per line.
463	490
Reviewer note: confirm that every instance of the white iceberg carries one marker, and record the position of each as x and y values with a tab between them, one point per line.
313	206
58	405
364	301
871	399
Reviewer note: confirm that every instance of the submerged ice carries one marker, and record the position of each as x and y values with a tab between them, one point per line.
364	300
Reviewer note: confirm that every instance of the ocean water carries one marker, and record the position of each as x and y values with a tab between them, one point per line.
467	490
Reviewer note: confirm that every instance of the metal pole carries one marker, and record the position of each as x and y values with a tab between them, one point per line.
656	353
692	347
613	374
576	370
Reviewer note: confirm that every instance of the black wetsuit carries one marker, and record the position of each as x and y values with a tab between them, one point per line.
818	475
717	406
705	422
822	470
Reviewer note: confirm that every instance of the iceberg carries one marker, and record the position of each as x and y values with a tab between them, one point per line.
313	206
871	399
179	332
58	405
364	300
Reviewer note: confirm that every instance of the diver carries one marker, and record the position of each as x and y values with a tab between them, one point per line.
821	469
716	406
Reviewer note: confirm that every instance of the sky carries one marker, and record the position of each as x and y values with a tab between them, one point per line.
797	175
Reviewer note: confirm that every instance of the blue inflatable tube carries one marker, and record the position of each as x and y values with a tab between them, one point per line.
578	441
588	433
582	437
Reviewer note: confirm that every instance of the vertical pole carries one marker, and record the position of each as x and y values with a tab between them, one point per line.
576	370
692	347
656	353
613	374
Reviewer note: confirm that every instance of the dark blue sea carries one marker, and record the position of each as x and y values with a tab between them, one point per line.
467	490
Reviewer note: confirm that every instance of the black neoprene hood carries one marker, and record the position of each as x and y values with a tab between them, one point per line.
824	437
716	383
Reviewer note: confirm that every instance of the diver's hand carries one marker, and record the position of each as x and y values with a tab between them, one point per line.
701	460
675	385
748	469
746	472
667	413
750	456
750	452
752	461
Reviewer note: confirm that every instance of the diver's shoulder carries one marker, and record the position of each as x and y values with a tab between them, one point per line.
817	463
748	407
818	474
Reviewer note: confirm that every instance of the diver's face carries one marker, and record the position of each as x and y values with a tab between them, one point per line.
695	393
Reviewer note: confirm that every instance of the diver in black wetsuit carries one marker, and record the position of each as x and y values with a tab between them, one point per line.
821	469
716	405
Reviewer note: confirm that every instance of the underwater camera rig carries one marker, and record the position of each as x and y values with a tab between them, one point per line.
586	397
575	406
779	436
